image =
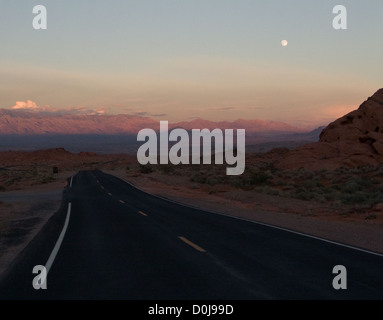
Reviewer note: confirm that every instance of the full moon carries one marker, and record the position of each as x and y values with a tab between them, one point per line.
284	43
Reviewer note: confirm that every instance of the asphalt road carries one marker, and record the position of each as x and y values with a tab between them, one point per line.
121	243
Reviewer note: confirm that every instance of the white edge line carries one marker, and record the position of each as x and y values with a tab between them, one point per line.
56	249
261	223
71	181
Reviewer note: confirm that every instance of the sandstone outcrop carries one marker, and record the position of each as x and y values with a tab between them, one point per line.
353	140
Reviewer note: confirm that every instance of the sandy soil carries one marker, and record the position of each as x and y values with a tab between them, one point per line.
23	213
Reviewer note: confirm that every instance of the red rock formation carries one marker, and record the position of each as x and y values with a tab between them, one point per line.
356	139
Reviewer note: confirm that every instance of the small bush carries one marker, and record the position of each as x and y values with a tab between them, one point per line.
269	191
47	179
199	178
212	181
304	195
2	189
357	198
167	168
145	169
260	178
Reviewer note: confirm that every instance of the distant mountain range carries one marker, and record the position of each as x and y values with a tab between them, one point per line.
28	130
21	122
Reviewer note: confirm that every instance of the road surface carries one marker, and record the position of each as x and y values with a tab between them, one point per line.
110	240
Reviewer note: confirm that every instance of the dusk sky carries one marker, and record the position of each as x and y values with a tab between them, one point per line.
182	59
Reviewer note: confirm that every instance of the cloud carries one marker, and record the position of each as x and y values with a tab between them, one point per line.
73	110
26	105
29	105
141	113
158	115
223	108
148	114
81	110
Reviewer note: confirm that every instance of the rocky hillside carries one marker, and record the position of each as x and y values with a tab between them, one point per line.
354	140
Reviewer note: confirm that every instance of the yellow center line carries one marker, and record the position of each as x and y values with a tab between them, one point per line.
109	194
142	213
102	188
121	201
198	248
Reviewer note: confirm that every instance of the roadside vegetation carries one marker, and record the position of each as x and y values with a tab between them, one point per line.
360	187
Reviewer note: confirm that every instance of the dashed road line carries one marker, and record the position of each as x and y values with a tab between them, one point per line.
198	248
142	213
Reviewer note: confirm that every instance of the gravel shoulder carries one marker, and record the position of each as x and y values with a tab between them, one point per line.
22	214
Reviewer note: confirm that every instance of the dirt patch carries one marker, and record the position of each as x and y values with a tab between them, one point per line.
23	213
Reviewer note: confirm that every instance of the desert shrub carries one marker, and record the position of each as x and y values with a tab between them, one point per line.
269	191
309	184
308	175
371	217
319	185
304	195
199	178
47	179
365	182
319	197
279	182
379	170
212	181
259	178
146	169
334	188
355	184
355	198
167	168
289	187
342	170
12	181
336	180
376	197
2	189
332	195
320	190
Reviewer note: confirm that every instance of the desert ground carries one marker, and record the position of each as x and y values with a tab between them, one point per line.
343	205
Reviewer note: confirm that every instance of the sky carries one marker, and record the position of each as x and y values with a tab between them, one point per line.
179	60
